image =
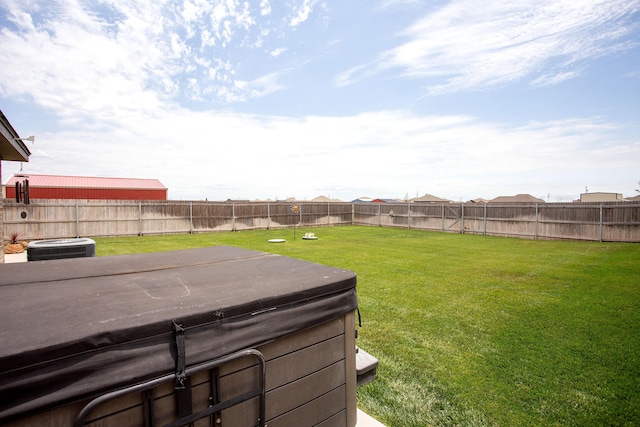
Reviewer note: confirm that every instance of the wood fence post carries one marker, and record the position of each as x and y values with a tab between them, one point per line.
484	232
140	218
601	207
535	232
233	216
77	220
353	214
328	213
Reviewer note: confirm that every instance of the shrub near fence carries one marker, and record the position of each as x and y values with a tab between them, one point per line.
50	219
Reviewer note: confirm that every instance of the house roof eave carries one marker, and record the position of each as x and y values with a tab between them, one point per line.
11	147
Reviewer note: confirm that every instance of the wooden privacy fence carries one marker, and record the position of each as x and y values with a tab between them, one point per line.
615	222
52	219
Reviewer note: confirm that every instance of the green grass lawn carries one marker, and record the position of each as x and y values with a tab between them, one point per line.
476	331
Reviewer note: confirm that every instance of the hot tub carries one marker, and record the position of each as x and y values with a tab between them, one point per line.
221	336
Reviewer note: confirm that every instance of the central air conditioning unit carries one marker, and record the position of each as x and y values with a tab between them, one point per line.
61	248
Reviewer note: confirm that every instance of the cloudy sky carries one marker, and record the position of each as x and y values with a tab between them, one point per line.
271	99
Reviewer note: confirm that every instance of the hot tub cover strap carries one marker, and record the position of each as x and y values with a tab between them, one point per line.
180	355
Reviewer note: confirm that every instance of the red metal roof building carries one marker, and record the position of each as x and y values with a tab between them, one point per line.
87	187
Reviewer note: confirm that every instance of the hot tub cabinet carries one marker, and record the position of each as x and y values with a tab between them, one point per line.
218	336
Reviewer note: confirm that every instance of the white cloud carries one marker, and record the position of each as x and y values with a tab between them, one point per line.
552	79
278	51
77	65
141	54
302	12
474	44
351	75
265	7
21	19
385	5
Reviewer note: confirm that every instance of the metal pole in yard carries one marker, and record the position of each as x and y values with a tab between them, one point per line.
268	216
295	207
408	215
461	218
443	217
190	217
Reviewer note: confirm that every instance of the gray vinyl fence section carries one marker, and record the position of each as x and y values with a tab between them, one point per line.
52	219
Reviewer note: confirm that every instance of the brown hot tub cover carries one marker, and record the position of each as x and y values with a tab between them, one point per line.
76	328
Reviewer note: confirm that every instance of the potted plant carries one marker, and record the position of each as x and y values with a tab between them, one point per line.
14	246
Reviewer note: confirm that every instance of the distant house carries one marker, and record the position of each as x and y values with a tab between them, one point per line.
325	199
518	198
600	197
429	198
88	187
386	201
362	200
479	201
633	199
